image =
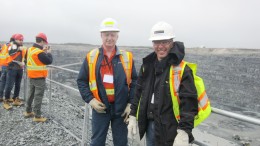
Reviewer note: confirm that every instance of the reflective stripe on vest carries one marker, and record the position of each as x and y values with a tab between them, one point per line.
110	91
92	56
35	68
176	73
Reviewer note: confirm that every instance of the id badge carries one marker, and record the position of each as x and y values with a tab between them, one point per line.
108	78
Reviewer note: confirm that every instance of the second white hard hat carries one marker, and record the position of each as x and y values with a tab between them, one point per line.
161	31
109	24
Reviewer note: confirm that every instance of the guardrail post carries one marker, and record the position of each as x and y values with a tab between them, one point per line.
50	92
25	82
85	125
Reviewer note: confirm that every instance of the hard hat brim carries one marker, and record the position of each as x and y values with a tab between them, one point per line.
112	29
158	38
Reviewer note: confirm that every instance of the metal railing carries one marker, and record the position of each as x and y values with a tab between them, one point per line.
86	108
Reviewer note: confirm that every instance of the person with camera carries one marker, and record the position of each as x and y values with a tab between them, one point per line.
38	56
15	70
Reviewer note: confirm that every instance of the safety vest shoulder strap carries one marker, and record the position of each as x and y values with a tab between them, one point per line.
127	62
92	60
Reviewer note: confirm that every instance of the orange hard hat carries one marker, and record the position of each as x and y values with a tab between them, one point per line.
42	36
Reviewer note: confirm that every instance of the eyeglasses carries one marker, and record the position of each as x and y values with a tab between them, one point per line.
163	43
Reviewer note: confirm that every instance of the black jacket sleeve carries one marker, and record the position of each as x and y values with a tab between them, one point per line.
137	93
188	101
83	83
12	52
133	83
45	58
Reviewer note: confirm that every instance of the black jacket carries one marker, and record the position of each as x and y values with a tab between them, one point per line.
165	123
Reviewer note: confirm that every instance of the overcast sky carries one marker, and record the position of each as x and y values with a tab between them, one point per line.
212	23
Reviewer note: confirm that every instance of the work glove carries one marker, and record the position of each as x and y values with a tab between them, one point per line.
97	105
131	126
126	112
182	138
22	64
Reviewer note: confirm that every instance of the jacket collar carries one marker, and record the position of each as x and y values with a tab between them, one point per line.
101	51
37	46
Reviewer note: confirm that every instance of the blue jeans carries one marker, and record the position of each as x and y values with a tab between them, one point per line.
13	77
3	81
150	134
100	126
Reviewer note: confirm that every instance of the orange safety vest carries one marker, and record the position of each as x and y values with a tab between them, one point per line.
127	61
11	58
35	68
4	55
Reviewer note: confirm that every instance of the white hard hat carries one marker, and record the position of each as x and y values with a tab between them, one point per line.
109	24
161	31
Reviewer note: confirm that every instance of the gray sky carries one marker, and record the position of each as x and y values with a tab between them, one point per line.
212	23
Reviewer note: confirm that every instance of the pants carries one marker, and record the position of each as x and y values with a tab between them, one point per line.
3	81
36	92
14	77
150	139
100	126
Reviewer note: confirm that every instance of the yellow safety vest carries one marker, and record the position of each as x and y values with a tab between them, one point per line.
127	61
204	108
175	76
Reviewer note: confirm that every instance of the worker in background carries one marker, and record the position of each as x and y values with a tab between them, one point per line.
106	82
4	60
165	102
15	69
38	56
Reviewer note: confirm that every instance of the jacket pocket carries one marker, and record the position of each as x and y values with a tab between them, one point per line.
169	128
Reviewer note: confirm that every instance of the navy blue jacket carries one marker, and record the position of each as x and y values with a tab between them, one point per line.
122	94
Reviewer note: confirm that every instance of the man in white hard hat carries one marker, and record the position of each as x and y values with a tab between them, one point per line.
155	94
106	82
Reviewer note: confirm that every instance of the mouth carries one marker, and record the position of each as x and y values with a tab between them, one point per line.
160	51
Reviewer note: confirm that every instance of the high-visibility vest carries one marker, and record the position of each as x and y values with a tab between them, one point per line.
4	55
126	58
175	76
35	68
11	58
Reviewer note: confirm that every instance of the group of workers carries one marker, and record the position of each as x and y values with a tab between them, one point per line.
166	100
14	59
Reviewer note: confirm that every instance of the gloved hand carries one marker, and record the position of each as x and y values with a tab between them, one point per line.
131	127
182	138
126	112
22	64
97	105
